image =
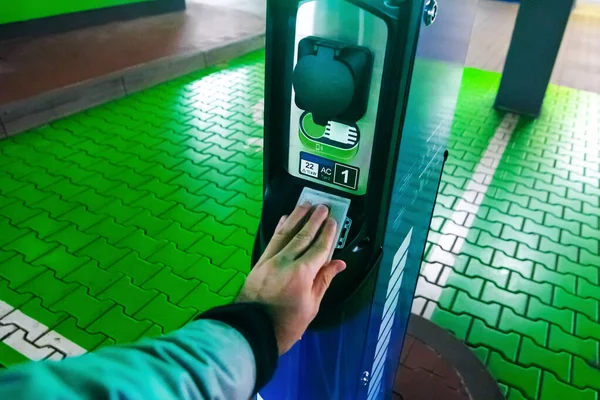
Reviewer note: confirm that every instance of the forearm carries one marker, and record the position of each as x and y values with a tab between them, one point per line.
207	359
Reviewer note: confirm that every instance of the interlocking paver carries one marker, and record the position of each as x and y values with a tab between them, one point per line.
82	306
117	325
524	267
524	378
516	301
534	354
559	340
589	273
172	285
505	343
565	281
131	297
166	314
169	182
202	298
94	278
587	306
488	312
552	388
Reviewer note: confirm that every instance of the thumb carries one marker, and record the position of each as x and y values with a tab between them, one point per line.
325	276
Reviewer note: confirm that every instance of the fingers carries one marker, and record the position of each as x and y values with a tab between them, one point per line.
325	277
280	223
303	239
285	231
318	253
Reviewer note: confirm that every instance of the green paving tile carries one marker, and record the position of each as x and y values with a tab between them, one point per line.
55	206
549	246
523	267
562	341
170	284
48	288
243	220
183	216
81	218
583	218
588	290
166	314
12	297
17	212
17	271
111	230
585	375
72	238
141	243
103	253
177	260
533	354
508	247
83	307
44	225
556	222
457	324
564	281
482	353
217	252
119	327
92	277
216	278
30	246
586	328
563	318
233	286
465	304
245	242
546	259
177	234
10	357
589	273
188	182
202	299
239	260
554	389
589	232
483	254
524	379
542	291
505	343
129	296
586	306
516	210
514	394
532	240
218	230
516	301
34	309
587	258
534	329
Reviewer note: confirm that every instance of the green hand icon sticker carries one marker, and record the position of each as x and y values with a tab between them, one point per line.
337	141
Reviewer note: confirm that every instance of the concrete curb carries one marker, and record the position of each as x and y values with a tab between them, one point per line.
22	115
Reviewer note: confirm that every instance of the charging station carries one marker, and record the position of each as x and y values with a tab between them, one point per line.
360	97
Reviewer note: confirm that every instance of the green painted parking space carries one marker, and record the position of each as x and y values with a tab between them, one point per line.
129	219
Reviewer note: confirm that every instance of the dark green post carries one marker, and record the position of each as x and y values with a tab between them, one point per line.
535	42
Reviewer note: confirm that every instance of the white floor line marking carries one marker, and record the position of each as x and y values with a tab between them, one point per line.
455	231
31	338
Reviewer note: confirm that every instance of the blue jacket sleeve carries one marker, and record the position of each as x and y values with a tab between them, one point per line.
211	358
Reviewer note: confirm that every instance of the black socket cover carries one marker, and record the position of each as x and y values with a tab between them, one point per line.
331	80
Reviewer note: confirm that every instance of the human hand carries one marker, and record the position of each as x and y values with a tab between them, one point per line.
293	273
